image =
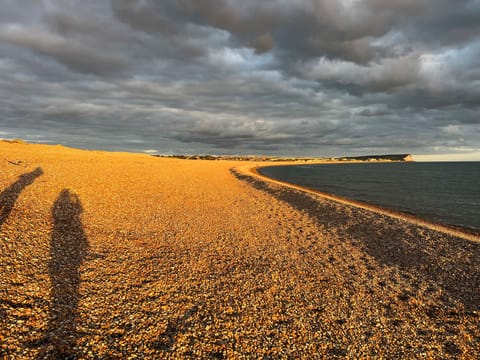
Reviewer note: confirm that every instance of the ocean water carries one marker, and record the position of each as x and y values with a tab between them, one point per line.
445	192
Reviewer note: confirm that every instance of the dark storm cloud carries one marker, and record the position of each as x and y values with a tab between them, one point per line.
311	77
302	28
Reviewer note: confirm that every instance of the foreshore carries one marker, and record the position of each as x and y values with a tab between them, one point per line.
457	231
117	255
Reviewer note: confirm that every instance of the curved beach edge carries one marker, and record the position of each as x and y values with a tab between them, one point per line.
466	234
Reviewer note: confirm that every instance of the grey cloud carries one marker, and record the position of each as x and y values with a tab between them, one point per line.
74	55
149	16
374	110
82	42
445	23
302	29
308	27
263	43
387	74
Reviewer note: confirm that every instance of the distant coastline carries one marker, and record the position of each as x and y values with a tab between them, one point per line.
364	158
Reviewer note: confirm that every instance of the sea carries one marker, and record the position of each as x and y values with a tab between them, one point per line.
444	192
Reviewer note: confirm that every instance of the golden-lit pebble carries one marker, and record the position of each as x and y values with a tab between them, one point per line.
163	258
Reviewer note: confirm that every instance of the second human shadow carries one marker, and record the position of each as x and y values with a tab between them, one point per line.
10	195
68	247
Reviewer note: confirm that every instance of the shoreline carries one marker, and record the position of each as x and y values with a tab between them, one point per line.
426	249
455	230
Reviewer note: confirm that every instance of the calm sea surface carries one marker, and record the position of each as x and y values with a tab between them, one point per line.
447	192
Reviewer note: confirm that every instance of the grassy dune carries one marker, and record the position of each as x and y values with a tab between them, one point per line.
116	255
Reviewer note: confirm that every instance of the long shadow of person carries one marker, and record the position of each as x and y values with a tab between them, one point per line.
68	247
9	196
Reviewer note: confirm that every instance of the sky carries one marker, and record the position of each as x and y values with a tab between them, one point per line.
273	77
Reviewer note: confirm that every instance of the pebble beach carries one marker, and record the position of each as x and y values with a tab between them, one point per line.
128	256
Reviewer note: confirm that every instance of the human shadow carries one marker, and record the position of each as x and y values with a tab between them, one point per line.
10	195
446	260
68	248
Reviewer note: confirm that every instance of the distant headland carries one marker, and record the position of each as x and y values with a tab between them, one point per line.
390	157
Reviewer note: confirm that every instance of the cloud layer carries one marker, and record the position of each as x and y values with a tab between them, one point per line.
296	77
